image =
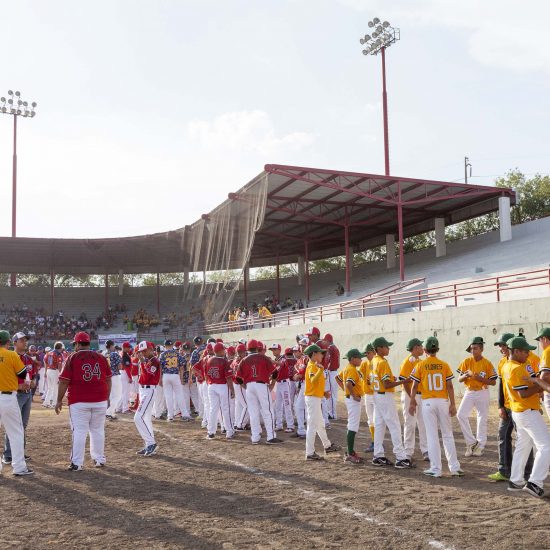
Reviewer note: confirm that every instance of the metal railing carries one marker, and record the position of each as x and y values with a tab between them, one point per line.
446	295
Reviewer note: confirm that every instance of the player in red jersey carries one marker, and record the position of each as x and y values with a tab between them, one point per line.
241	409
218	374
283	403
299	374
256	372
332	363
198	371
54	362
87	377
126	376
149	378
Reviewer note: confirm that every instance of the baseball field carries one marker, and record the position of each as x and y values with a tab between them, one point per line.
217	494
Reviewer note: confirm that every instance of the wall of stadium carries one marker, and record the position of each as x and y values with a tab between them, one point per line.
454	327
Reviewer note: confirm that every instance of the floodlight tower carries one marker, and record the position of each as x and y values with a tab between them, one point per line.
383	36
15	106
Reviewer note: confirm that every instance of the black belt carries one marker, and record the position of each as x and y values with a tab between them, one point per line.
258	381
147	387
381	392
284	380
6	392
23	391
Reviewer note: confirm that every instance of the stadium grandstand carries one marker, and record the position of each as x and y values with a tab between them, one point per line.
286	214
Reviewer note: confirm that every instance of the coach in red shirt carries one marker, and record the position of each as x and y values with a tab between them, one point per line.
86	377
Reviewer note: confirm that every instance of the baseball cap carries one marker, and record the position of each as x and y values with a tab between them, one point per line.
475	340
303	342
261	345
519	343
353	353
295	348
218	346
58	345
167	342
126	345
328	337
81	338
18	336
240	348
178	343
47	349
186	345
32	348
231	350
431	343
313	348
380	342
4	337
143	345
369	348
412	343
288	351
109	343
242	341
211	341
275	346
543	333
197	340
252	344
313	330
503	338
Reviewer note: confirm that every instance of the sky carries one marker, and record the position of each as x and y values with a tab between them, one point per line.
151	112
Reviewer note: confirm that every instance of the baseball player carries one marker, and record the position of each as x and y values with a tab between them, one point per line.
477	373
42	371
435	376
126	376
160	411
283	403
188	384
350	381
524	397
218	375
86	376
314	337
115	363
198	370
257	372
366	373
332	365
543	339
149	378
13	374
299	398
171	363
241	409
313	394
384	384
54	362
410	422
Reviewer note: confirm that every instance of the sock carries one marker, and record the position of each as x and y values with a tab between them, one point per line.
371	428
351	442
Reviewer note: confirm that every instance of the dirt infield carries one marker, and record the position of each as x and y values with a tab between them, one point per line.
216	494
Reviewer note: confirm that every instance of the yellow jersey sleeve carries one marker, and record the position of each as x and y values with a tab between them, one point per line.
407	367
545	360
516	382
383	372
464	366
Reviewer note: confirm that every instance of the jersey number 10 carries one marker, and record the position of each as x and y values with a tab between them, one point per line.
435	381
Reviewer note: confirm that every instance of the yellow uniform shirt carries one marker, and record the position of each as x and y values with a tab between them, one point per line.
315	380
513	374
499	372
534	360
352	374
545	360
381	371
366	372
483	367
434	375
11	365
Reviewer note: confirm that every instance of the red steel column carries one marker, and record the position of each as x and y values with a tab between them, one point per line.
13	281
278	274
52	294
348	259
400	229
245	285
158	293
385	110
106	291
306	261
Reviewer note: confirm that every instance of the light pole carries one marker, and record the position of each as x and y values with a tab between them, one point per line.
16	107
383	36
467	165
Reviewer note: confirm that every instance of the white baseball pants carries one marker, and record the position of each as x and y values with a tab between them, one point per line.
547	403
369	408
195	397
218	399
88	418
10	418
116	393
42	381
333	388
480	400
436	413
126	386
300	409
241	408
283	405
159	403
410	423
173	393
186	400
315	424
354	414
203	392
142	418
532	432
386	416
259	402
53	381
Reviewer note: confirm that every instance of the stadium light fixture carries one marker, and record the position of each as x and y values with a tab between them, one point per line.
15	106
382	36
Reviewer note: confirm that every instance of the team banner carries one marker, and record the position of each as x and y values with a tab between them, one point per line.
118	339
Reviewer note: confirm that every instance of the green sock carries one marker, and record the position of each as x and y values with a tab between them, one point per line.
351	441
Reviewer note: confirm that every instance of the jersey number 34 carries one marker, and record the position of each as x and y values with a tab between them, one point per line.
90	372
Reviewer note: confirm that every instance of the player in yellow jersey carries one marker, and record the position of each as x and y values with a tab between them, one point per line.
505	425
314	393
438	405
366	373
350	381
543	338
410	422
384	384
477	373
524	397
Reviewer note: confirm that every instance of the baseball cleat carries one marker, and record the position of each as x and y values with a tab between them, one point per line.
255	442
98	464
333	448
110	417
314	456
431	473
169	420
74	468
210	436
533	489
187	419
478	450
381	461
457	473
426	457
274	441
353	459
151	450
289	430
470	449
142	451
6	460
237	429
370	448
402	464
27	472
514	487
498	476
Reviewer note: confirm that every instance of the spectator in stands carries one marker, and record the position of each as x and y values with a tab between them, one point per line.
339	289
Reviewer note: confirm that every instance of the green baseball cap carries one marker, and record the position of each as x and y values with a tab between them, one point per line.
4	337
431	343
413	342
519	343
503	338
369	348
380	342
475	340
314	348
353	353
543	333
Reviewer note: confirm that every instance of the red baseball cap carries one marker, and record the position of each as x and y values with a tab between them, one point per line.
313	330
210	347
178	343
219	340
81	338
126	345
328	338
275	346
261	345
146	345
230	350
322	345
288	351
253	344
240	348
218	346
